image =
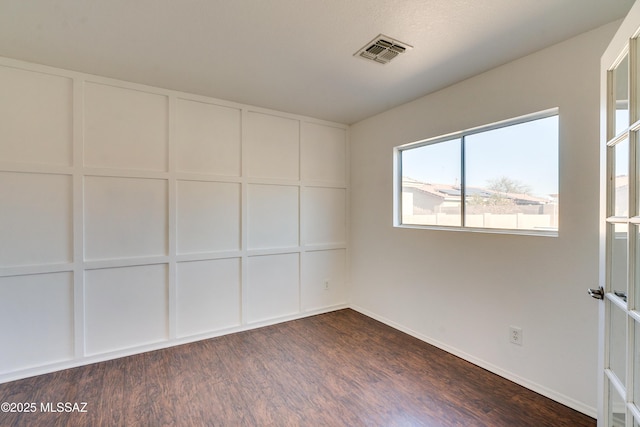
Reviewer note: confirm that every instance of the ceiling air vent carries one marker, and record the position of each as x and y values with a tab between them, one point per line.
382	49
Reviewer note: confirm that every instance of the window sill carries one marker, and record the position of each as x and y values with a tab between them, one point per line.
536	233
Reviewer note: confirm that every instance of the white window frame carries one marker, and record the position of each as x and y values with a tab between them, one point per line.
397	176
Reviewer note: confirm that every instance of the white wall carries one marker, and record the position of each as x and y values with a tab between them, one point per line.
134	218
462	290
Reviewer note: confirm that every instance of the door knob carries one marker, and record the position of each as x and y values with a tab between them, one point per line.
596	293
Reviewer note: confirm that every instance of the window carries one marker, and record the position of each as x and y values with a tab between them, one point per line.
501	177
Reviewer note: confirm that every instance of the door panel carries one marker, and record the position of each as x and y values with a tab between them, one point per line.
619	403
617	410
617	342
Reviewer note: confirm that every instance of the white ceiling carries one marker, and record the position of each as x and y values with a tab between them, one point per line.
292	55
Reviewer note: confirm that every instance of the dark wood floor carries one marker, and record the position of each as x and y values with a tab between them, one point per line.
336	369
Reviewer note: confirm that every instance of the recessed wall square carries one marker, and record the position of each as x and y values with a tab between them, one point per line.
208	295
272	146
125	217
39	307
207	138
272	286
125	128
208	216
323	153
37	124
273	216
125	307
35	219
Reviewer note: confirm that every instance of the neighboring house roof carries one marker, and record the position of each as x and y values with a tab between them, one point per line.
433	189
446	191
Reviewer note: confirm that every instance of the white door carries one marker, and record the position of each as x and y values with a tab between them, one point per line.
619	386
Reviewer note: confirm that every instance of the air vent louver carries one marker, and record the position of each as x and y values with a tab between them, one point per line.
382	49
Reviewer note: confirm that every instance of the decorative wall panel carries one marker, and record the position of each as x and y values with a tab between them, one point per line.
273	216
207	138
208	296
272	146
125	307
35	219
272	286
125	217
37	117
208	216
125	128
324	217
324	276
323	154
36	312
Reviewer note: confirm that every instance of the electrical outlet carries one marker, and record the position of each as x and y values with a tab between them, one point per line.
326	284
515	335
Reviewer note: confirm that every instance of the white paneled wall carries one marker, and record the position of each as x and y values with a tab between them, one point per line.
37	119
35	222
37	309
200	283
124	128
272	147
124	217
135	218
270	275
273	214
208	216
208	138
125	307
